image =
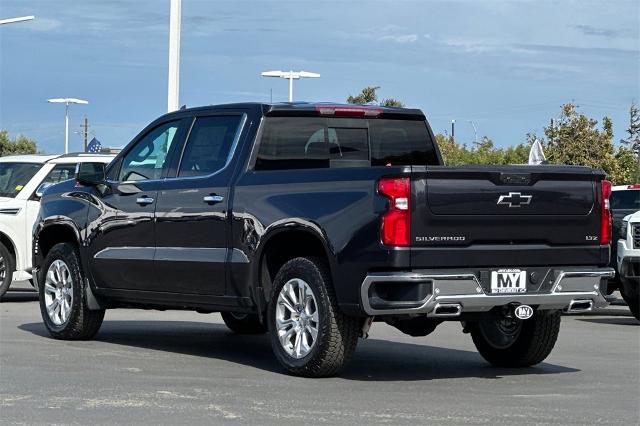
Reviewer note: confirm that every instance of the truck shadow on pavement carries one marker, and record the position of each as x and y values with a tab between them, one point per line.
13	296
374	360
612	321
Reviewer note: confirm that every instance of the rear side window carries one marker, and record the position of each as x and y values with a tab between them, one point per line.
209	144
316	142
293	143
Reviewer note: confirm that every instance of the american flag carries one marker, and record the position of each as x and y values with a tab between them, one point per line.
94	146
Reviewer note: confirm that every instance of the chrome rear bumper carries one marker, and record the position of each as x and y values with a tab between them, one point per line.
452	294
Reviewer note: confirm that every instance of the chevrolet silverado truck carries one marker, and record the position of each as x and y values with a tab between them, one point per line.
309	221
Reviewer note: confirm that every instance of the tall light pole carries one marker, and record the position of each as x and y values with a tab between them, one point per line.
19	19
67	102
175	16
291	75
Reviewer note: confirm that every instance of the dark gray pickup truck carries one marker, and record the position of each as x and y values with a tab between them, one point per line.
311	221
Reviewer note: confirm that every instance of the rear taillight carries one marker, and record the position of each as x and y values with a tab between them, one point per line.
605	213
634	186
396	222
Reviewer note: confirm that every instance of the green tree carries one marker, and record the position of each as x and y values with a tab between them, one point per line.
574	138
633	141
483	152
369	95
18	145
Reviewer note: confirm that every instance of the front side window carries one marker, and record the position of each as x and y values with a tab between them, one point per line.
209	145
14	177
348	147
148	158
293	143
60	172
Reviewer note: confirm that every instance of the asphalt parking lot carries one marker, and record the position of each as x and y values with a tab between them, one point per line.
185	368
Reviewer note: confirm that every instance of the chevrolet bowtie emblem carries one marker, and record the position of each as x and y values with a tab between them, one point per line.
515	199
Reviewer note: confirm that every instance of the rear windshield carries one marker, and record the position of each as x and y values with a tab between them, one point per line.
318	142
625	200
14	176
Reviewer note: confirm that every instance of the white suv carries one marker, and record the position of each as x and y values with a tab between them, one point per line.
21	176
628	261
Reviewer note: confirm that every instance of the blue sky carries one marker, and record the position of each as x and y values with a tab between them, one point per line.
505	65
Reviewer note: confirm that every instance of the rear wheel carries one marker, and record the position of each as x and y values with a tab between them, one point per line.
62	304
310	336
510	342
631	294
243	323
6	269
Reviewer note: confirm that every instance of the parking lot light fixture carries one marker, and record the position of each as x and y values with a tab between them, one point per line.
291	75
14	20
67	102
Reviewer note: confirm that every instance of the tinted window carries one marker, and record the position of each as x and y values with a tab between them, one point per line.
14	176
147	158
60	173
293	143
209	144
626	199
400	143
348	146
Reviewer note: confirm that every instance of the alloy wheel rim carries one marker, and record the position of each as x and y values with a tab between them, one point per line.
3	269
297	318
58	292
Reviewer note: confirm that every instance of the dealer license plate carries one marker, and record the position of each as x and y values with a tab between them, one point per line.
508	281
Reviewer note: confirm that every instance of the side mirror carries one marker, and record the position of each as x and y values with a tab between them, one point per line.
41	189
91	174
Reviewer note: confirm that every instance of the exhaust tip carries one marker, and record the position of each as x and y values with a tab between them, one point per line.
576	306
447	310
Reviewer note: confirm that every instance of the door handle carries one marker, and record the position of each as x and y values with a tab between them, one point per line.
213	199
144	200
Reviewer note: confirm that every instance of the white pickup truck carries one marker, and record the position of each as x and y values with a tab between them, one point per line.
21	177
628	262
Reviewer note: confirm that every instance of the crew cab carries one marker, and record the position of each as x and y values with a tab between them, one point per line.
310	221
628	262
22	178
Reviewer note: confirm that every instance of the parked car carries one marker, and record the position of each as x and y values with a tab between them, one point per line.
22	177
309	221
625	200
628	262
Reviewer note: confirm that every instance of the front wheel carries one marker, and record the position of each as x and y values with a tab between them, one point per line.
62	304
310	336
631	294
509	342
6	269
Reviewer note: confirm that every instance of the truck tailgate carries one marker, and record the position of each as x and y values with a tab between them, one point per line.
505	205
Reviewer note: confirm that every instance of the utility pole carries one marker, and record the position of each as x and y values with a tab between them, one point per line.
85	131
175	16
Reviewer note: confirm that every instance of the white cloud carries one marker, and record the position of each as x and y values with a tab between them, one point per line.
401	38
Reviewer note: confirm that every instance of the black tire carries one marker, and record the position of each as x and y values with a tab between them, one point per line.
7	266
337	333
243	323
524	344
81	323
631	294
